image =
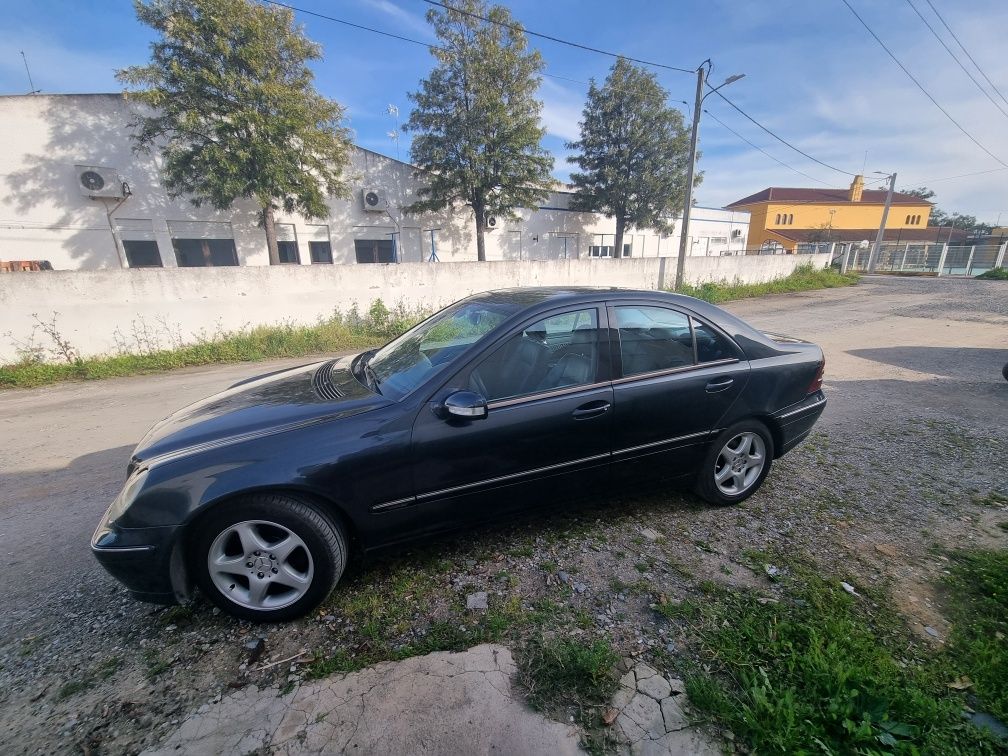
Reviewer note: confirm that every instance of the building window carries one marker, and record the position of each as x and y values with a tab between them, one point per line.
374	250
777	221
719	240
597	250
205	253
142	253
287	246
203	244
790	219
321	252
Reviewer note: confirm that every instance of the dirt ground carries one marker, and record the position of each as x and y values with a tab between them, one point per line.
909	456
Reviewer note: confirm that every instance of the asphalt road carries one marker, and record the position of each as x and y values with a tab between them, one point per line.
933	343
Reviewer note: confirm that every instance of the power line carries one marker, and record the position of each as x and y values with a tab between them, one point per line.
921	86
956	59
757	147
965	175
780	139
578	45
961	45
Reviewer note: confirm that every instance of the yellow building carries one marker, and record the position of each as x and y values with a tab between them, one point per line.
786	218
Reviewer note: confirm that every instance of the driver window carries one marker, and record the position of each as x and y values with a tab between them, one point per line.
555	352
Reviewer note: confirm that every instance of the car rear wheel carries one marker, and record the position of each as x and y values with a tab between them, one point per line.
268	557
736	463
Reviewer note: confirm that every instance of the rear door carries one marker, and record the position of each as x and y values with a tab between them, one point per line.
548	431
675	376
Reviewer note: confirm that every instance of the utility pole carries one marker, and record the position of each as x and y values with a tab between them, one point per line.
881	232
687	205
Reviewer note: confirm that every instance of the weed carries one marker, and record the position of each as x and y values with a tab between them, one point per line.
821	671
155	663
568	671
73	687
994	274
804	278
143	352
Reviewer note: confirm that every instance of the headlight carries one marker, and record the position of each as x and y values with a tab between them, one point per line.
127	495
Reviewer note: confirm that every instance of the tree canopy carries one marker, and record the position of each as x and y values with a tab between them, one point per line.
476	118
233	110
633	152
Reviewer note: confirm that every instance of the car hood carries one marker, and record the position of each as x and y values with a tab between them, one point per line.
267	404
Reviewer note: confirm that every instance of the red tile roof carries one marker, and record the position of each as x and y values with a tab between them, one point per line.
826	196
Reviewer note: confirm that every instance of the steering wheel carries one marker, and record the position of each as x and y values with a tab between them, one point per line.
477	383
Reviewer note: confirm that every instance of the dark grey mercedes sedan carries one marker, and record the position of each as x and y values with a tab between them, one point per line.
501	403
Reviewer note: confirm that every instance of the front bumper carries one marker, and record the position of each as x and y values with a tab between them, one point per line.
796	421
139	558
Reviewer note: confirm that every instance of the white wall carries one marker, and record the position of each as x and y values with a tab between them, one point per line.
92	305
44	216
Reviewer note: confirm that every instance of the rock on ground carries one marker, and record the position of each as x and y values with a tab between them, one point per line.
442	703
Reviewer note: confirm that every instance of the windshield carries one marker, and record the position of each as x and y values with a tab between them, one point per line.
404	363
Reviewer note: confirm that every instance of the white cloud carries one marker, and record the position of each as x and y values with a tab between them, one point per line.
403	18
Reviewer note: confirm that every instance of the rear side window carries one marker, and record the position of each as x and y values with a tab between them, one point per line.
711	345
653	339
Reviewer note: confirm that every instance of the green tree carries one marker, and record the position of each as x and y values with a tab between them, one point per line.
476	117
633	152
233	110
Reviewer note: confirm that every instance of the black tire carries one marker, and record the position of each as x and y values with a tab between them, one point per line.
323	538
705	485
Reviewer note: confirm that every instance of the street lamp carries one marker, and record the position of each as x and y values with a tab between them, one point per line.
702	73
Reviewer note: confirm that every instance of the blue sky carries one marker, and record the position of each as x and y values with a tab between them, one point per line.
813	75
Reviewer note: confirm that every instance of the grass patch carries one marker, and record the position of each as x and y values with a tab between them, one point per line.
569	672
143	352
994	274
72	688
823	671
804	278
978	641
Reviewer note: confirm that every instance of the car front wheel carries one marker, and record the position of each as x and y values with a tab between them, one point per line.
268	557
736	463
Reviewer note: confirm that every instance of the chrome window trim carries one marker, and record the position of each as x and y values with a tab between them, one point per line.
501	403
672	440
673	371
511	476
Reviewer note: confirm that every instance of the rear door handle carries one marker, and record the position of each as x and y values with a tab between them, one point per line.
719	384
590	410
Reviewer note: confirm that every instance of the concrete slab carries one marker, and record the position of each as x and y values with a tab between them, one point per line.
442	703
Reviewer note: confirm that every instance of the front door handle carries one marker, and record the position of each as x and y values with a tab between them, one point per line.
591	409
719	384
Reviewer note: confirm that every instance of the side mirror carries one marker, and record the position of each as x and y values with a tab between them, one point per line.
465	404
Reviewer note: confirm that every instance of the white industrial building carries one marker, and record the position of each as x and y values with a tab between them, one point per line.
76	196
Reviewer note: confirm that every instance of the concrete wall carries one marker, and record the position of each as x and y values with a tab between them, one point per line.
179	305
45	216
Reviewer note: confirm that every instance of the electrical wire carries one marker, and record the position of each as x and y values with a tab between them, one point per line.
956	59
780	139
921	86
961	45
578	45
760	149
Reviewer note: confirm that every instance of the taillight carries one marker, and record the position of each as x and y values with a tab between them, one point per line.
816	384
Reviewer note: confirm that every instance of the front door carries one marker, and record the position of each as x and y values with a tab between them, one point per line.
675	377
548	431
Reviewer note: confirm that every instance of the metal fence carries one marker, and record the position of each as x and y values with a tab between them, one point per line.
921	257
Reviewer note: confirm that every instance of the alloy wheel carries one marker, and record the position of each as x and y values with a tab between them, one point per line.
260	565
740	463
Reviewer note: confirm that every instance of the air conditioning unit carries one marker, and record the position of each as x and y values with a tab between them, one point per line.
491	222
98	181
736	233
374	200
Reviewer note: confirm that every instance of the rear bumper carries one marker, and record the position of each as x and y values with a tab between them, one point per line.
138	558
796	421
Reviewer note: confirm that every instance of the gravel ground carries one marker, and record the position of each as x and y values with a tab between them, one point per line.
904	460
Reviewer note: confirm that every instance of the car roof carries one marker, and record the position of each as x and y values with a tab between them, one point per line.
551	296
